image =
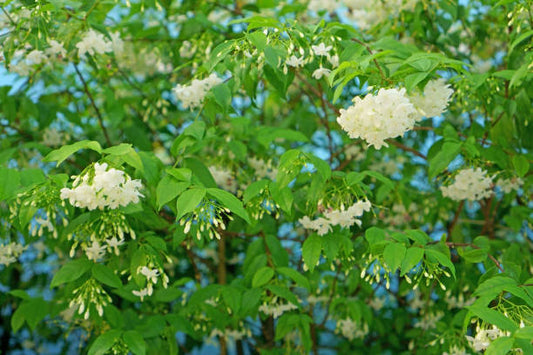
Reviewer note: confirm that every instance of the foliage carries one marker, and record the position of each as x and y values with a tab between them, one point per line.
250	230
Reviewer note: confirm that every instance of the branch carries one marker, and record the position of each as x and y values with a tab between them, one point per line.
367	47
406	148
98	114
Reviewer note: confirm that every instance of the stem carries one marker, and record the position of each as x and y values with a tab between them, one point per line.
406	148
221	272
93	103
367	47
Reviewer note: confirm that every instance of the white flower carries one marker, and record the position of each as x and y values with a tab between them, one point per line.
428	321
379	117
377	303
435	99
276	310
109	188
151	274
95	251
333	60
349	329
141	293
341	217
321	49
114	243
224	179
187	50
36	57
296	62
320	72
93	43
52	137
193	95
56	48
508	185
117	44
470	184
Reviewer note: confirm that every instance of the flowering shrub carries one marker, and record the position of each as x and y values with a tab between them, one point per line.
267	176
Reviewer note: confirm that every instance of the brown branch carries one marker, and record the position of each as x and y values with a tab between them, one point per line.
406	148
458	211
93	103
492	258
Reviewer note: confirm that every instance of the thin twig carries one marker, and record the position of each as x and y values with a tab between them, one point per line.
93	103
367	47
406	148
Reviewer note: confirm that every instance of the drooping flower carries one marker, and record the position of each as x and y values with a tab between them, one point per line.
93	43
320	72
321	49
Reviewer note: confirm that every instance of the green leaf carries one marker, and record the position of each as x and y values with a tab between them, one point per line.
280	257
413	255
106	276
104	342
524	333
222	95
64	152
283	197
311	250
374	235
295	276
521	165
394	254
168	189
442	259
135	342
262	276
71	271
443	158
230	201
254	189
10	179
500	346
493	317
189	200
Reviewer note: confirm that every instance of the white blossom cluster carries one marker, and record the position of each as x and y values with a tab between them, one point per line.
365	13
377	303
224	178
193	95
341	217
23	62
95	43
484	337
108	188
152	276
455	350
429	320
470	184
508	185
275	309
434	101
263	169
320	50
458	301
390	113
378	117
10	252
229	333
350	330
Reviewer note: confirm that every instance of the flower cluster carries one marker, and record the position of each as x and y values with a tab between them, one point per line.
458	301
10	252
275	309
193	95
152	276
508	185
378	117
107	188
434	101
429	320
95	43
341	217
224	179
103	234
263	169
470	184
90	293
484	337
390	113
350	330
23	62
